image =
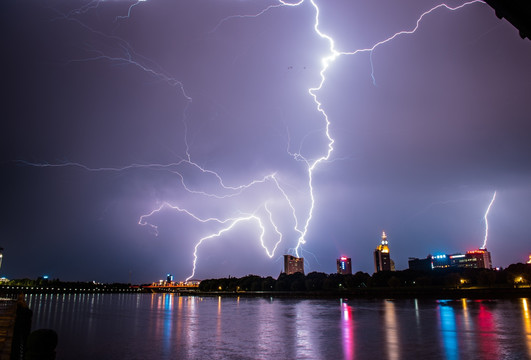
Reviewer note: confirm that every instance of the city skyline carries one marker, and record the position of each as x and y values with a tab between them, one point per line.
210	139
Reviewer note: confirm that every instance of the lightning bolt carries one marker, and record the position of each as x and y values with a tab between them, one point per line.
129	59
326	61
263	213
261	12
487	222
415	28
129	11
95	4
81	10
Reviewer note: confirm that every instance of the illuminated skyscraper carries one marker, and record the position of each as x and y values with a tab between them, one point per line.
293	264
480	258
344	266
382	257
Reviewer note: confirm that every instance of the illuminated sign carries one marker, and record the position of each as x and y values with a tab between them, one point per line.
479	251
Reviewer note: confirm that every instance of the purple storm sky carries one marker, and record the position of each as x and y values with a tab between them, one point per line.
422	138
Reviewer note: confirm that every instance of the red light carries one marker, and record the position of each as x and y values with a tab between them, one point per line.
343	258
479	251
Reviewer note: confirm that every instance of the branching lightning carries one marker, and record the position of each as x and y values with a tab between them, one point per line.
415	28
263	213
261	12
487	221
128	59
326	62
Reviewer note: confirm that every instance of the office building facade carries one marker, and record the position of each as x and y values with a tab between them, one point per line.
479	259
293	265
474	259
344	266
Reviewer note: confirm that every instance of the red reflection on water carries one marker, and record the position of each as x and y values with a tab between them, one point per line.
347	331
488	342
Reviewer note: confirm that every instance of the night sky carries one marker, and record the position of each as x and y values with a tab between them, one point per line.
111	111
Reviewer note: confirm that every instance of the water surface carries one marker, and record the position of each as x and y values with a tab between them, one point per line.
169	326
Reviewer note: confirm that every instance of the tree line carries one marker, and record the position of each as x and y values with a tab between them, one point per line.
515	275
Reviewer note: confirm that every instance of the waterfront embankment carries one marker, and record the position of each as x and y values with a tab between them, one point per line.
62	289
8	307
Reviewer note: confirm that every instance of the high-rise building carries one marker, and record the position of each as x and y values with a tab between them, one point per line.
344	266
293	264
382	257
480	258
476	259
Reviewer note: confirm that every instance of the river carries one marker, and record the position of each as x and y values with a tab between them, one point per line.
169	326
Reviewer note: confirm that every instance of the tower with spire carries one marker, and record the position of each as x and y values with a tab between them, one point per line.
382	256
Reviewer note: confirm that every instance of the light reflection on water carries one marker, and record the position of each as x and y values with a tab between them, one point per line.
391	331
347	327
168	326
527	324
486	326
467	327
448	331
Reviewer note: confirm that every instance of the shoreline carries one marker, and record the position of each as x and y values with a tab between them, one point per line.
358	293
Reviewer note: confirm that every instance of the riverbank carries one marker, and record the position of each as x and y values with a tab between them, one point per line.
9	289
362	293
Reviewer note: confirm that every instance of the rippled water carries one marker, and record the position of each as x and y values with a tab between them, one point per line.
167	326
